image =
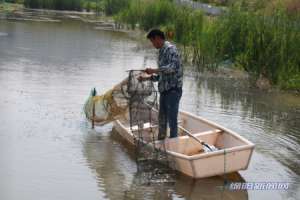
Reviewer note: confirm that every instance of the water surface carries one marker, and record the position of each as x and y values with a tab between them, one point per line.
49	151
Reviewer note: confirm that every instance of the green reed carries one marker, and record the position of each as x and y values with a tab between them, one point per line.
262	44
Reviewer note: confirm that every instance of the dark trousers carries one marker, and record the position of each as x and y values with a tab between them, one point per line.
168	112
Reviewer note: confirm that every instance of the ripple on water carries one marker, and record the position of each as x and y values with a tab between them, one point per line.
3	34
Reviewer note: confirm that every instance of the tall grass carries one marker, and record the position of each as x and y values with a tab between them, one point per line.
263	40
113	7
148	14
262	43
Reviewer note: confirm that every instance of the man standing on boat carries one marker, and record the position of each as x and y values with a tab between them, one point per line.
169	76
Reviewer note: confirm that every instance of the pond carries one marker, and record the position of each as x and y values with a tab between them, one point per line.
49	151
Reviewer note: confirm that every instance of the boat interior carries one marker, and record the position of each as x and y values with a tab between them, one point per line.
147	131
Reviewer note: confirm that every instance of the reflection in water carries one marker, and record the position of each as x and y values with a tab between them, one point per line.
209	188
110	163
267	118
3	34
113	162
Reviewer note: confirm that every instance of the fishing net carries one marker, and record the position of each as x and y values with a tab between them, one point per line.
128	94
106	108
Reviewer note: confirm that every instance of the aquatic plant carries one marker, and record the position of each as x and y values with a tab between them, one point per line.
262	43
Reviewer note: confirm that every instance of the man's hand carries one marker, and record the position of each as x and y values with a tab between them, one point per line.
151	70
143	78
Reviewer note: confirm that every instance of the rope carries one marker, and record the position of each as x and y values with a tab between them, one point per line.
225	179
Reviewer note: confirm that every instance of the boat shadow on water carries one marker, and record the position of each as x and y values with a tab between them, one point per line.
119	176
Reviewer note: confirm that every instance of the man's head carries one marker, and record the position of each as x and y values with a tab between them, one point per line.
157	37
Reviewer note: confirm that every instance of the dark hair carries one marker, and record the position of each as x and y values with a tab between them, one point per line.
156	32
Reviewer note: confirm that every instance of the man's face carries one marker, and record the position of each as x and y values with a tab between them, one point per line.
157	42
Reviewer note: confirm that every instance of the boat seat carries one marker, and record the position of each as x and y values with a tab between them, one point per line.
146	126
209	132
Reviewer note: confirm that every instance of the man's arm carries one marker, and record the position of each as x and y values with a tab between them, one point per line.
153	72
173	64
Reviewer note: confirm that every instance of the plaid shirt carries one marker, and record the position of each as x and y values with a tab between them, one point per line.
170	68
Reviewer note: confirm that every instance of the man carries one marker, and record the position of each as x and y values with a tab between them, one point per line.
169	76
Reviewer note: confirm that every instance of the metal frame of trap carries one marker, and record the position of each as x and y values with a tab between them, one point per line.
142	105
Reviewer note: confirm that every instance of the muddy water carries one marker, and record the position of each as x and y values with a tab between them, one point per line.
48	150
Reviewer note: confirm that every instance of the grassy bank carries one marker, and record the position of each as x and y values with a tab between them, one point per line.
259	37
9	7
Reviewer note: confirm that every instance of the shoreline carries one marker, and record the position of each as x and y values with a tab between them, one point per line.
103	23
61	11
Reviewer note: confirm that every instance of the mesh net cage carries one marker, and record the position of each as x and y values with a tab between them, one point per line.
135	101
142	99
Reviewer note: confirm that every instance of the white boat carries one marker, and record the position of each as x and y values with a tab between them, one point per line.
233	151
